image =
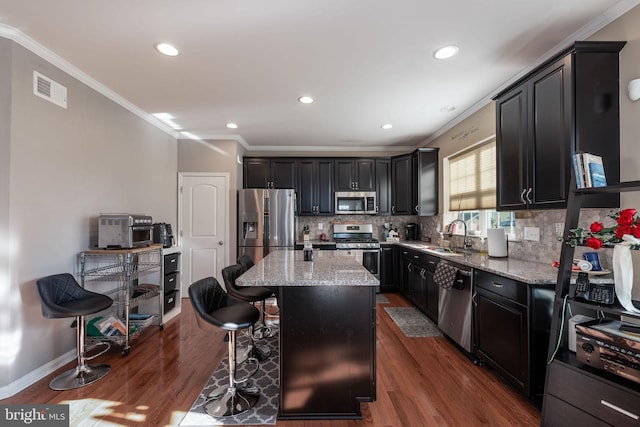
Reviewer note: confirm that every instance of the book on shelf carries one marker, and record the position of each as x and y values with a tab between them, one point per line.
578	169
594	170
589	170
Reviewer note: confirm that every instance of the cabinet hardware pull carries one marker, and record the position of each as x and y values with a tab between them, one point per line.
416	256
528	195
524	190
619	409
497	285
417	206
409	267
393	209
473	298
221	243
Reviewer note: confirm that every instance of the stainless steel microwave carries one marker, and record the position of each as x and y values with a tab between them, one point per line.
355	202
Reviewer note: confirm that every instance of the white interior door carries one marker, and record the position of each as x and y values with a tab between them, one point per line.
203	224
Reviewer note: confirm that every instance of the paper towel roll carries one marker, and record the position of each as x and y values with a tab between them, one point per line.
496	243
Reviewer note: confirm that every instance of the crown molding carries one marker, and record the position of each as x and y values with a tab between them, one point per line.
48	55
584	32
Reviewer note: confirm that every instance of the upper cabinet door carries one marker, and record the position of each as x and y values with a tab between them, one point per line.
383	186
511	149
550	150
283	173
426	181
402	185
365	174
355	175
257	173
345	175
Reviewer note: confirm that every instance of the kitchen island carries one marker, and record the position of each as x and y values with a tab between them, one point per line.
327	332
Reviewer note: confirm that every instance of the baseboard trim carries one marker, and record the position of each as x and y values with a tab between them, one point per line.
36	375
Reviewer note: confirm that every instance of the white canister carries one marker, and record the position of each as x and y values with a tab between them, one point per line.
496	243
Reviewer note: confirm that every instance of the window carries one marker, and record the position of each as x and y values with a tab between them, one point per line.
472	191
472	178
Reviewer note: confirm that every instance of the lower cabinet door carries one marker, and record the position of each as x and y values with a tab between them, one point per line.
501	337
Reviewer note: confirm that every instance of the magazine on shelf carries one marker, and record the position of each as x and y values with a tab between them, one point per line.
594	170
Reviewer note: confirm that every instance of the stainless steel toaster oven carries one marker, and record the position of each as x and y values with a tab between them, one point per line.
124	231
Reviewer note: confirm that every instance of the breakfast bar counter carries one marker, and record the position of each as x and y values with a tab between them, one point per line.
327	332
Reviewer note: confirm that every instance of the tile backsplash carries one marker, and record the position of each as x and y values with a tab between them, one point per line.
547	249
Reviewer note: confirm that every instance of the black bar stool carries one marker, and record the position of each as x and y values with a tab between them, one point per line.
250	294
215	307
62	297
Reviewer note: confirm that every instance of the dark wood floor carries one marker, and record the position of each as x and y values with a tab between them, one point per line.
421	382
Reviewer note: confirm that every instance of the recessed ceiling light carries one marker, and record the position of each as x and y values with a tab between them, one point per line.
305	99
386	126
446	52
167	49
232	126
447	109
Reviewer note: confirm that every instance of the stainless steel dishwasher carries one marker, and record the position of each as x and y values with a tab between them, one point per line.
454	311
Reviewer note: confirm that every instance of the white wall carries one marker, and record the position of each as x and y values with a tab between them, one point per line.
66	167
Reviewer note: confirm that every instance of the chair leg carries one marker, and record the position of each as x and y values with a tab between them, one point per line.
235	401
83	374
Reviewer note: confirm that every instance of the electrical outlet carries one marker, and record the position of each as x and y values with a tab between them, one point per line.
559	228
532	233
320	226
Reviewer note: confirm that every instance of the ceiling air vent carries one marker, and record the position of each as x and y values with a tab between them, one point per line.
46	88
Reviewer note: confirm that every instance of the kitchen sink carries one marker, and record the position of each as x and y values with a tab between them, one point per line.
437	250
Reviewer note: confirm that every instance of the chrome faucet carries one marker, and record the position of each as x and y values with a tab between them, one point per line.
466	242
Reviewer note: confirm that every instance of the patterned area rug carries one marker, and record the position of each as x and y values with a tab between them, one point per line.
381	299
412	322
266	379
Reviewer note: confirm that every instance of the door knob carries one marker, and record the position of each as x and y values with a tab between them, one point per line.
221	243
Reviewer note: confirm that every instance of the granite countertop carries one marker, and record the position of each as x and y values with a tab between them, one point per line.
288	268
527	271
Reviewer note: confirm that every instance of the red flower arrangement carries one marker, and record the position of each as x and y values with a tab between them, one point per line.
626	222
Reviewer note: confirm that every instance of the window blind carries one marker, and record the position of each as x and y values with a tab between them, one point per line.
472	178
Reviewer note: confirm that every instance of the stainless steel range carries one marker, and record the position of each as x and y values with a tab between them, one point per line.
359	240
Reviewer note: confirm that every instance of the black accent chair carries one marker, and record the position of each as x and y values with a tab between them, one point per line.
215	307
62	297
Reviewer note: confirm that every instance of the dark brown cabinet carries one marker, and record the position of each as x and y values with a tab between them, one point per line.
414	179
383	186
355	175
511	330
388	268
316	324
568	105
402	185
577	393
269	172
425	192
314	190
418	285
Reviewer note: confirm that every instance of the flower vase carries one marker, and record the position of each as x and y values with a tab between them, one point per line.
623	273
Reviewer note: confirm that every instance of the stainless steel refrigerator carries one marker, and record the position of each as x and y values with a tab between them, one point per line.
266	221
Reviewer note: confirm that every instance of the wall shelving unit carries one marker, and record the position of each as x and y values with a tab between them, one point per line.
577	394
130	277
